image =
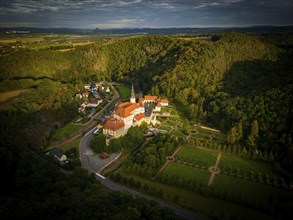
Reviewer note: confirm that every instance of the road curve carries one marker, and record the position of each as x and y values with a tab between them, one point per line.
87	125
85	151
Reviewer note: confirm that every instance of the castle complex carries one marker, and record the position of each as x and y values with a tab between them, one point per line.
130	114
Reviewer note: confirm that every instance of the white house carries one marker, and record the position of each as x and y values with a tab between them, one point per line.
58	155
87	86
158	107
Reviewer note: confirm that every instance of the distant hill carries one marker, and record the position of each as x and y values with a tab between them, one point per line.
174	30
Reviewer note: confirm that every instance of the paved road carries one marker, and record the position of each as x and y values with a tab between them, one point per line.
90	123
85	151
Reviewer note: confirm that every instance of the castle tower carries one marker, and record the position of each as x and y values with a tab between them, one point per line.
132	98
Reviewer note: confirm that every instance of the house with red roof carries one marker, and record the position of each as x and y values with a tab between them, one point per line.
150	99
158	107
164	102
114	127
138	119
127	111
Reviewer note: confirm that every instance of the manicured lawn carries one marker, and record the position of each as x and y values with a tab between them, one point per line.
188	173
204	131
125	92
65	131
197	155
165	109
195	201
219	137
171	122
245	165
164	127
178	133
174	112
244	189
7	95
201	136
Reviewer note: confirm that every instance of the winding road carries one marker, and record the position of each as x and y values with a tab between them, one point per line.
85	151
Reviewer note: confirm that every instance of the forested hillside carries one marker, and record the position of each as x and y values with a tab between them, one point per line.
237	83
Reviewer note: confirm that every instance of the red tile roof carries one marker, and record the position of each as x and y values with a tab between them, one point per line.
124	109
150	97
158	105
139	117
113	124
164	101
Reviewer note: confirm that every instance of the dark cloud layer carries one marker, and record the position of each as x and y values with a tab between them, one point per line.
144	13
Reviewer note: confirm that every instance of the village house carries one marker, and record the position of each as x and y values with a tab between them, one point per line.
58	155
164	102
85	94
114	127
158	107
87	86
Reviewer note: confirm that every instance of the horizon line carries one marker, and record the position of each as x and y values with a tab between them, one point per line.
174	27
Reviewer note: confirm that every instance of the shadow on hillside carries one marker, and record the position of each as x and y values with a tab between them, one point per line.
165	61
256	76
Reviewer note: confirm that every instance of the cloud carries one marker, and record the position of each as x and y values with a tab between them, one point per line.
18	24
119	23
130	13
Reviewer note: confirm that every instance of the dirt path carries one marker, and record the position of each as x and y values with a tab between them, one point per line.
167	161
218	159
211	169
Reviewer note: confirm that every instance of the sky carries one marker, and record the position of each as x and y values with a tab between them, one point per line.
90	14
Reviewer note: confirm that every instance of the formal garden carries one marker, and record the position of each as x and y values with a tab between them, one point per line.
204	170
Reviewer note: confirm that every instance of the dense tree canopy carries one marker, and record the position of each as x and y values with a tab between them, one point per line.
240	84
232	78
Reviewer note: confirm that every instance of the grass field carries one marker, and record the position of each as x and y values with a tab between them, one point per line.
171	122
244	188
220	137
22	39
188	173
74	144
207	205
165	127
7	95
245	165
204	131
125	92
197	155
65	131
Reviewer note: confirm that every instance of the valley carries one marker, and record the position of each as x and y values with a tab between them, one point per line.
226	149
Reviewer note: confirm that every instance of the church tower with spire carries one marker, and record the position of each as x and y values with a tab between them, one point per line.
132	98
